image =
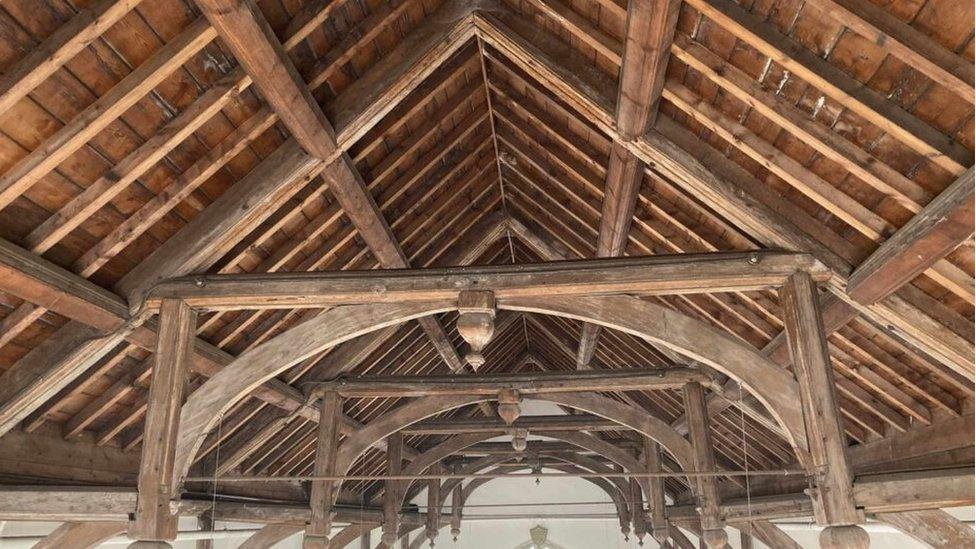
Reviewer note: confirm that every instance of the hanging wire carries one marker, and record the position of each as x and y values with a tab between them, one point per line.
213	502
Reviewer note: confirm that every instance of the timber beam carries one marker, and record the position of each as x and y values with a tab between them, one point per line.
661	274
735	196
937	230
631	379
322	496
886	493
245	31
532	423
649	33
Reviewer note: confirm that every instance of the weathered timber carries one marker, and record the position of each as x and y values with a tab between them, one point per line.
685	273
630	379
80	535
709	499
939	228
655	500
933	527
532	423
154	517
319	527
391	499
828	447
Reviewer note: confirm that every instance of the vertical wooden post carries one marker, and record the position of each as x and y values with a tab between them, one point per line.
206	525
834	500
365	542
156	519
405	540
327	447
433	504
456	503
637	511
391	514
655	502
709	502
745	538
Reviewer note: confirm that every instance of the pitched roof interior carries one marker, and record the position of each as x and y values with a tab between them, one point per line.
480	136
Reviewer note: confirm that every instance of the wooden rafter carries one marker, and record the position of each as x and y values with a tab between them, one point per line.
702	175
937	230
898	323
650	30
248	35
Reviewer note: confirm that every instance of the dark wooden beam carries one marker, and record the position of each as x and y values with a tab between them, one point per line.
270	535
655	500
246	33
825	436
225	222
649	33
80	535
647	43
630	379
532	423
391	507
624	176
940	438
772	535
154	517
937	230
685	273
433	504
322	496
709	499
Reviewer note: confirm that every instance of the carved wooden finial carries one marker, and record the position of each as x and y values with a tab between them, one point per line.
715	538
476	323
508	405
848	537
520	439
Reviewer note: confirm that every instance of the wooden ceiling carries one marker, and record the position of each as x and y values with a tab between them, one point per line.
484	132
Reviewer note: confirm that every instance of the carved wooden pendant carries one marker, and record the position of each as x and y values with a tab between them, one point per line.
508	405
476	323
520	439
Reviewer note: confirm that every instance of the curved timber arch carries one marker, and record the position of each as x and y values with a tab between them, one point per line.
421	408
772	385
254	367
450	446
459	442
616	497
